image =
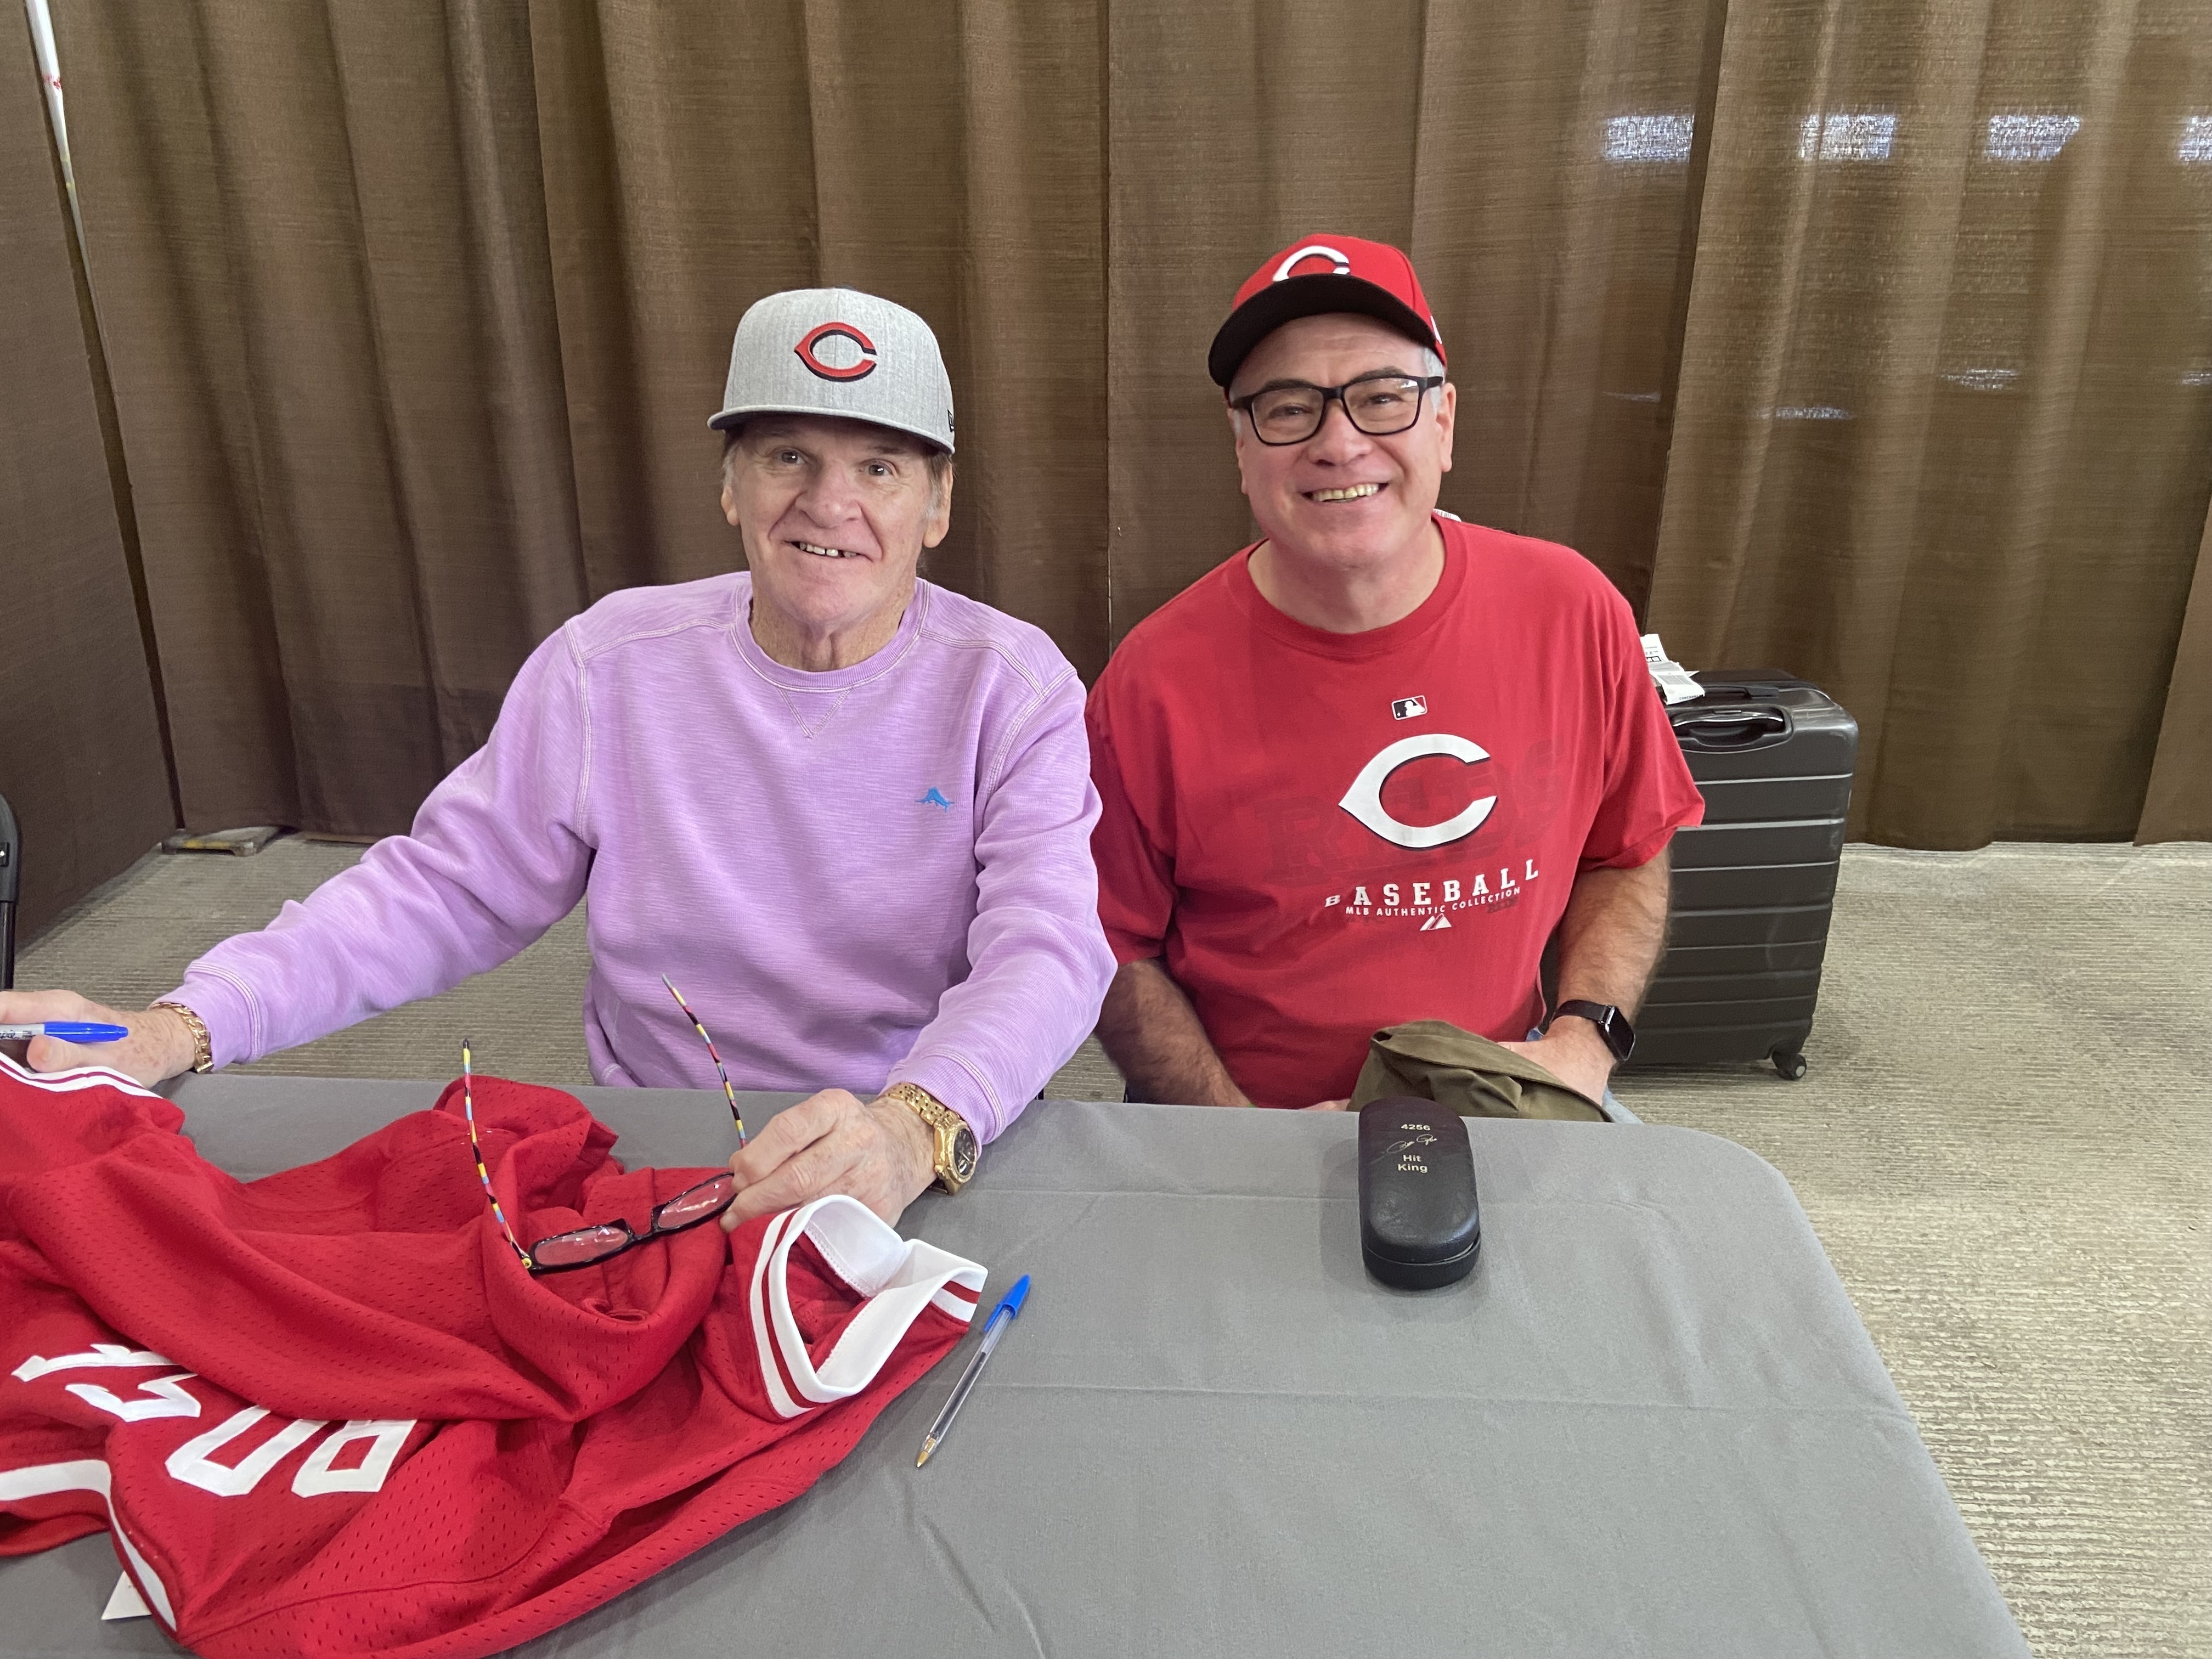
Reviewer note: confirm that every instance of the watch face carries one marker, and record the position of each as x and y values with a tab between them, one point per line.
965	1151
1612	1024
1620	1035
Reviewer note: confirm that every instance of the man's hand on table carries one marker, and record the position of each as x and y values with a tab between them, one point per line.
878	1151
1573	1052
159	1046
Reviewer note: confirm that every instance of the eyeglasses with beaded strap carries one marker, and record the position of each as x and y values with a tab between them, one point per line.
584	1246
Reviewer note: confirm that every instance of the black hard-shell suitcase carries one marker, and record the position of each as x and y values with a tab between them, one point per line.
1754	884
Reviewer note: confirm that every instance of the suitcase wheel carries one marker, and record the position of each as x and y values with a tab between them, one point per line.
1791	1062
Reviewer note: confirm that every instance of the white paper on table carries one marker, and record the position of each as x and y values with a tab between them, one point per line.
126	1602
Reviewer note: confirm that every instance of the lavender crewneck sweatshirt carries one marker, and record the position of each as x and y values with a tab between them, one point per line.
875	875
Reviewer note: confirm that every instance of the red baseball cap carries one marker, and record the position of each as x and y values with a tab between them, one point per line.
1317	274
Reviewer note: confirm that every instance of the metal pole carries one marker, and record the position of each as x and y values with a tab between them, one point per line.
11	860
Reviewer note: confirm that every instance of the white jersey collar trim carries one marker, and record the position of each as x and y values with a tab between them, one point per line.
898	1277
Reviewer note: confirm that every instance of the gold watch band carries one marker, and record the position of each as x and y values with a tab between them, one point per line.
952	1143
203	1046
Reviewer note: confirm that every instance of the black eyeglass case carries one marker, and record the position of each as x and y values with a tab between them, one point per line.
1420	1226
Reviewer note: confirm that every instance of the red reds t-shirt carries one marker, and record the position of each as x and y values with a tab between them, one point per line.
1321	834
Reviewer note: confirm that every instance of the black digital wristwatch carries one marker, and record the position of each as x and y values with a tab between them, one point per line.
1612	1024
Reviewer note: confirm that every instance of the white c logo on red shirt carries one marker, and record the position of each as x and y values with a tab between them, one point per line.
1363	800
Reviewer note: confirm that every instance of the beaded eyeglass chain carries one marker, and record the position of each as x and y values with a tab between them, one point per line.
475	1145
469	1111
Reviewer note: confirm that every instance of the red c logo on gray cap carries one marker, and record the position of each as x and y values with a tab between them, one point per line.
862	370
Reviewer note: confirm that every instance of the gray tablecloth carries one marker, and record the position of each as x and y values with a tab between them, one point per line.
1649	1424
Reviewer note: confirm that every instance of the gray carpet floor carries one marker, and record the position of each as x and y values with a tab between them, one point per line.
2005	1142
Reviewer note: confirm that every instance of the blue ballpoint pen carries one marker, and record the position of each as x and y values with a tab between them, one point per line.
1001	1316
65	1031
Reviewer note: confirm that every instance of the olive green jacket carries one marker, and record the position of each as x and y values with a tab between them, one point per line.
1434	1060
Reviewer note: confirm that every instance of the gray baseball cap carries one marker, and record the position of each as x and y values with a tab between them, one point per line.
838	351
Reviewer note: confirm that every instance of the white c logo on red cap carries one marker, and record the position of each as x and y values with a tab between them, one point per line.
860	370
1342	266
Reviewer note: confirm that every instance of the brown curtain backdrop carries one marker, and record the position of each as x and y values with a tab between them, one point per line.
2178	806
80	759
1944	434
318	241
701	154
416	315
1533	158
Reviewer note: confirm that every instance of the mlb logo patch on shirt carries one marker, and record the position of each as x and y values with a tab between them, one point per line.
1407	707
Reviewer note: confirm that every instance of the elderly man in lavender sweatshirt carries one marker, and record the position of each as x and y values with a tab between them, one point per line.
847	813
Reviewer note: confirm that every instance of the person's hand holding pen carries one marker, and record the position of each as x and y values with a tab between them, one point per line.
157	1045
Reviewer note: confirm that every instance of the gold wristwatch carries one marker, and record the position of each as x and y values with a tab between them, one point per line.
955	1149
203	1049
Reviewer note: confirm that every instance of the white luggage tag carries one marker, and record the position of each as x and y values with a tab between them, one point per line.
1673	680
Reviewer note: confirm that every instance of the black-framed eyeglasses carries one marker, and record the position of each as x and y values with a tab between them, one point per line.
1377	404
584	1246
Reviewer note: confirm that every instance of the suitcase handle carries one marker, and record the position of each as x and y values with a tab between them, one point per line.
1732	728
1743	691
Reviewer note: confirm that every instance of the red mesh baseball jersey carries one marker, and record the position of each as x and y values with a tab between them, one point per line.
328	1413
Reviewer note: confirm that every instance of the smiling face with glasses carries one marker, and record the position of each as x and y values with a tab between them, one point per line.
1344	433
1380	405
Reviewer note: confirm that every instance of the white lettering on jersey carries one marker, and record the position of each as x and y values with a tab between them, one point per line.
1363	800
103	1353
171	1400
191	1463
386	1435
1451	892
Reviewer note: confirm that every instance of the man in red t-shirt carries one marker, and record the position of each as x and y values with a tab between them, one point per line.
1359	773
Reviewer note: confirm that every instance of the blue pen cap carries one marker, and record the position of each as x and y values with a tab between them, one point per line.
74	1031
1011	1303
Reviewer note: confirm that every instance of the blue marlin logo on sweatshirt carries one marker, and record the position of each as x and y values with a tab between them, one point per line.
935	798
